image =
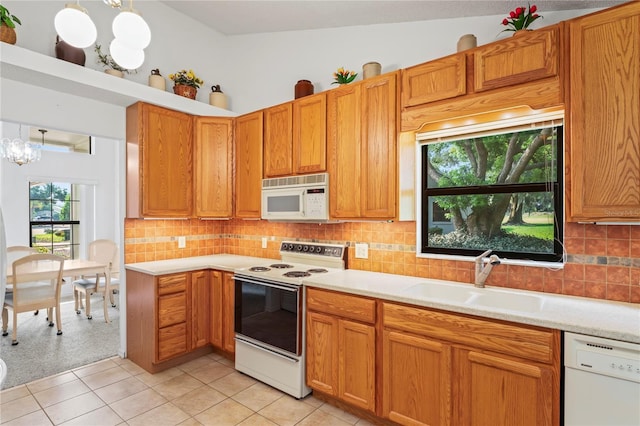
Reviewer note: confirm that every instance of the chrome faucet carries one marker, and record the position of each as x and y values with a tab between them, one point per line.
482	271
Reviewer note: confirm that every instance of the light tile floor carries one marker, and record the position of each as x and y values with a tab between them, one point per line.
206	391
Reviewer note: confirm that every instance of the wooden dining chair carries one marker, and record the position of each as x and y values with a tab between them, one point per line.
102	251
36	281
16	252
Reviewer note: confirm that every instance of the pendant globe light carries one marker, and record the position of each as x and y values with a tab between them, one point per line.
130	29
74	26
125	56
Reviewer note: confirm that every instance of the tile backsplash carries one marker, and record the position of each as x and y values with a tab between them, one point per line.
603	261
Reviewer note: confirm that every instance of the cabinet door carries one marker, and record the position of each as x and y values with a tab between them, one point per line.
378	180
343	145
604	125
525	57
416	377
213	163
278	140
200	301
216	309
356	364
500	391
310	134
322	353
228	313
434	81
248	134
159	162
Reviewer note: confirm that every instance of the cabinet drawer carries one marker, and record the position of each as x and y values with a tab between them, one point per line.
533	55
536	344
342	305
434	81
172	341
172	283
172	309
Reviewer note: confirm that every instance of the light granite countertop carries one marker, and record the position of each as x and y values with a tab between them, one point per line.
613	320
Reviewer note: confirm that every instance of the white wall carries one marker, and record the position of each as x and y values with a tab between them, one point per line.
260	70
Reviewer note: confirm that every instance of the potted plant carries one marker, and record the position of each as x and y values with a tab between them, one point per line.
186	83
342	76
520	19
7	25
112	66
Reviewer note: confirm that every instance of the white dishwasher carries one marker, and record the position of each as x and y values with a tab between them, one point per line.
601	381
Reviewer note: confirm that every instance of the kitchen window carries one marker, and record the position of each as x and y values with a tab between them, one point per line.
493	189
54	225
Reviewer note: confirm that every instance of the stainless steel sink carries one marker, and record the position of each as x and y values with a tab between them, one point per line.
480	297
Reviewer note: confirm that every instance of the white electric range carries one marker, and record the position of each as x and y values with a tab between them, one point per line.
270	313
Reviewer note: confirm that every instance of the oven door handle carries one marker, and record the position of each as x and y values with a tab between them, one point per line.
266	284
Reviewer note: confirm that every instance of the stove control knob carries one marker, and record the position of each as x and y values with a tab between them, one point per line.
290	247
305	248
336	252
299	247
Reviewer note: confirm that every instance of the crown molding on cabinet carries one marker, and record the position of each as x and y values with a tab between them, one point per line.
27	66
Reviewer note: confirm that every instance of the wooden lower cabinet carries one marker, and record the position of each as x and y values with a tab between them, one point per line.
200	299
167	318
340	349
416	377
441	368
222	308
497	390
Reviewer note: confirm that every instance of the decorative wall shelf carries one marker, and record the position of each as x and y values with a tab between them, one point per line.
27	66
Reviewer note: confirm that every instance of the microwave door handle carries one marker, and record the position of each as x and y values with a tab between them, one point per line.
303	203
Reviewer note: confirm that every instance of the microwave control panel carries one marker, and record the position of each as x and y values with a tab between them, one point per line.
316	202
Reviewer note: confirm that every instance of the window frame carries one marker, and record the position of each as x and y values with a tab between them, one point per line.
74	248
423	202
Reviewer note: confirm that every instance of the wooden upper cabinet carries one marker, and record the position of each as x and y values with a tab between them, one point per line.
343	146
604	116
213	163
310	134
434	81
248	173
379	141
159	162
527	56
278	140
295	137
361	142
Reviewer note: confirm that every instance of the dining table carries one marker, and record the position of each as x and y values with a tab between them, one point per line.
74	268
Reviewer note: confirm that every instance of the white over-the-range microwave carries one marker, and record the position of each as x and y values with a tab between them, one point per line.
296	198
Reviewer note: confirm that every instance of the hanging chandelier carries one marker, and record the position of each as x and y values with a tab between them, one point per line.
22	152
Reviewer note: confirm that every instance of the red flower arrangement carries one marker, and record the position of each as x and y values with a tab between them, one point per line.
520	19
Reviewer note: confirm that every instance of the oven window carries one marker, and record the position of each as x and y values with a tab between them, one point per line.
268	314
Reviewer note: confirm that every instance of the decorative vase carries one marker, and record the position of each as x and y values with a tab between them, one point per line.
156	80
115	73
186	91
371	69
467	41
69	53
7	34
303	88
217	98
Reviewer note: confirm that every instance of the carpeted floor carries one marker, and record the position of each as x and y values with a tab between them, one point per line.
41	353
